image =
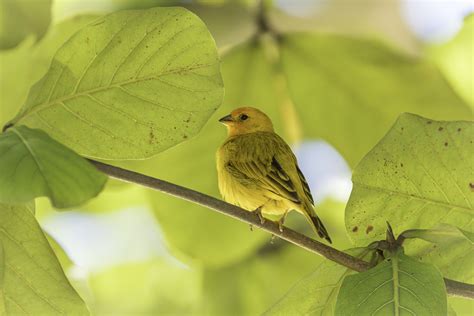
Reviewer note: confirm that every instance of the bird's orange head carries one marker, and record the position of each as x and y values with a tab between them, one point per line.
246	120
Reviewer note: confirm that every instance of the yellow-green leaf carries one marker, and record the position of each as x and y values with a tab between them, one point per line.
129	85
455	60
451	249
27	63
20	18
33	281
316	293
159	287
397	286
418	176
349	91
32	164
250	286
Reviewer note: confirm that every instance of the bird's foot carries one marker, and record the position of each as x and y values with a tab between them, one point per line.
280	224
272	239
258	211
251	227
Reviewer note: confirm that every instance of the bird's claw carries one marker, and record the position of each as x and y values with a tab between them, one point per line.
258	211
251	227
280	226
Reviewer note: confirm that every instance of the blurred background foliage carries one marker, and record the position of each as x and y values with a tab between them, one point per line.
335	90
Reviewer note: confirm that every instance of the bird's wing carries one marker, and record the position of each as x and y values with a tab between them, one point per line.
306	189
268	173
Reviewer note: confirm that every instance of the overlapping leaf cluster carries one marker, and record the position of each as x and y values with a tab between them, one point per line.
135	83
101	92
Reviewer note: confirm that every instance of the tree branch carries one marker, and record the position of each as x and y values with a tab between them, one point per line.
453	287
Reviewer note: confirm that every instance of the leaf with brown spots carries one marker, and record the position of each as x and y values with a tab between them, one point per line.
417	178
140	69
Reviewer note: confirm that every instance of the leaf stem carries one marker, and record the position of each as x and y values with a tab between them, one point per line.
454	288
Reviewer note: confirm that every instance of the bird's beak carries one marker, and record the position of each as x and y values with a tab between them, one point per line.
227	118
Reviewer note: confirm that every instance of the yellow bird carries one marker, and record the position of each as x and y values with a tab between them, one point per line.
258	171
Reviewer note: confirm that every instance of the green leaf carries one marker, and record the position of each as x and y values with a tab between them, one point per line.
160	287
418	176
194	166
2	284
113	197
452	251
397	286
440	234
460	306
20	18
316	293
15	79
24	65
129	85
59	252
349	91
32	164
33	281
249	287
455	60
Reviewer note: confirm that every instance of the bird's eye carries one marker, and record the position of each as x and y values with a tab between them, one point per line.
243	117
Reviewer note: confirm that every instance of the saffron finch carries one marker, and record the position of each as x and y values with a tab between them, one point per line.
258	171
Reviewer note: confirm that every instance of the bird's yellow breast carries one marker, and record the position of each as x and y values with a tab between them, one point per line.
247	192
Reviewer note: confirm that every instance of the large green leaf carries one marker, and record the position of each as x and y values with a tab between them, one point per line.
397	286
191	230
2	285
349	91
129	85
15	70
316	293
452	250
19	18
32	164
460	306
249	287
24	65
455	60
33	281
159	287
418	176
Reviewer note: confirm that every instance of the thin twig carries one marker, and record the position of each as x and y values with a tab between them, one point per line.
453	287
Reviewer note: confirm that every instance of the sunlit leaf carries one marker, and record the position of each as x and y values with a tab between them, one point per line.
19	18
452	250
456	62
129	85
113	197
32	164
418	176
461	306
440	234
194	232
59	252
33	281
24	65
249	287
350	91
316	293
397	286
161	287
2	284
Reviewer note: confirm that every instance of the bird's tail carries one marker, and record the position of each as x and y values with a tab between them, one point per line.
316	223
